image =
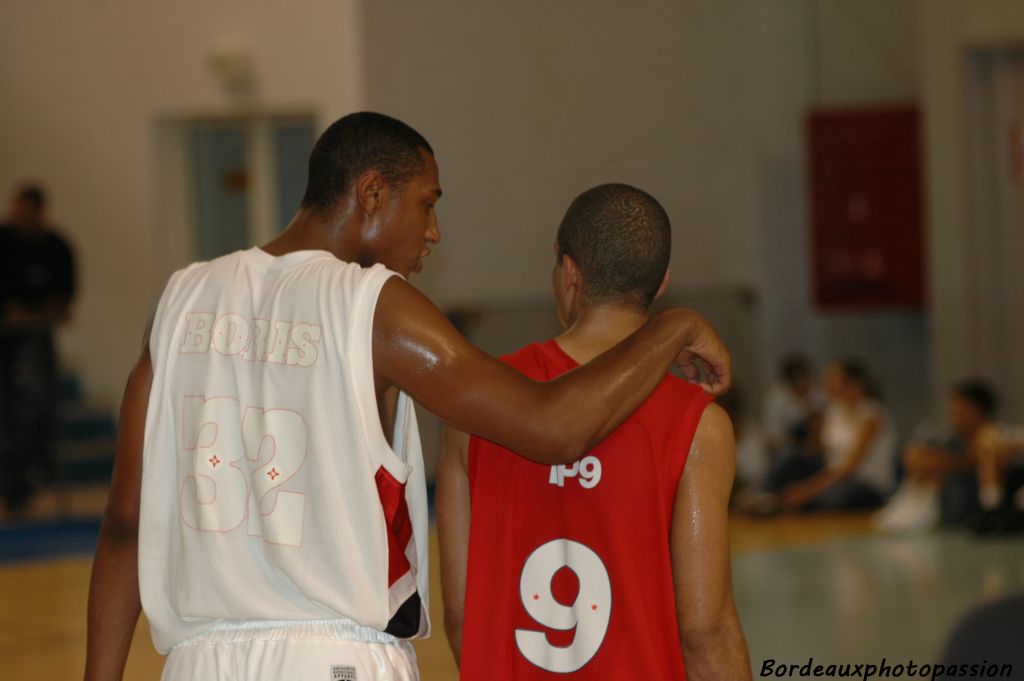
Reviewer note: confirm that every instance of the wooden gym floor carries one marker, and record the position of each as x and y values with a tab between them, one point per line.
821	586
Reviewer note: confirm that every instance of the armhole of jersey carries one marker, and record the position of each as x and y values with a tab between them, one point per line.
473	446
406	433
359	350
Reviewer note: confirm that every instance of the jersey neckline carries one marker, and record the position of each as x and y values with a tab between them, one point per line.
553	344
288	259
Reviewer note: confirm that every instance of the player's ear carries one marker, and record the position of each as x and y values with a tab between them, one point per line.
371	191
572	279
664	283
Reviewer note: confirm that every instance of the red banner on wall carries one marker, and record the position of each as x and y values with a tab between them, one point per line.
867	231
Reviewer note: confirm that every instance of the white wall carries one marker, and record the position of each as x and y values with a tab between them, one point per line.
701	103
527	103
951	30
83	83
862	53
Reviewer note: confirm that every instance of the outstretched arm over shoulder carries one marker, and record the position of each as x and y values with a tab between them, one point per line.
418	350
709	626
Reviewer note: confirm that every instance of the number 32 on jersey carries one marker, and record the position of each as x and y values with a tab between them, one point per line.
220	493
589	614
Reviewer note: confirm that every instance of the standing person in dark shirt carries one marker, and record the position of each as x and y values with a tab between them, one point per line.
37	283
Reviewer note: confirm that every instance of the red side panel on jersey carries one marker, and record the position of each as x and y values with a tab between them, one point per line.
569	567
396	513
404	599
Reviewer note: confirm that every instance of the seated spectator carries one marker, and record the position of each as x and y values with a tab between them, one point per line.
751	456
852	467
944	461
999	454
789	405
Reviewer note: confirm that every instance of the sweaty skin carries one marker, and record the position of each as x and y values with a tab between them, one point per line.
709	627
554	422
416	349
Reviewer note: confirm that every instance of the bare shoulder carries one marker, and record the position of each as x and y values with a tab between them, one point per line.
397	289
714	431
409	334
403	311
712	453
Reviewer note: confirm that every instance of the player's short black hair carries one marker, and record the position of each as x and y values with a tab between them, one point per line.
34	194
621	239
979	394
357	143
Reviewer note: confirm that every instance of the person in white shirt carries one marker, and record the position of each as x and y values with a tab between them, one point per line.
1000	453
855	466
945	461
789	405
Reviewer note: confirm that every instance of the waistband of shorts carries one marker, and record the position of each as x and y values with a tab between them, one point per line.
243	631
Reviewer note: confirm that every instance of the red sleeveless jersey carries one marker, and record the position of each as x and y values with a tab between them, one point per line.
569	566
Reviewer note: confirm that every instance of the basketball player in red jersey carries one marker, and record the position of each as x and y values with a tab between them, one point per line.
616	566
266	597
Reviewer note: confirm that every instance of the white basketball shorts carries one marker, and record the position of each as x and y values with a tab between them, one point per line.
333	650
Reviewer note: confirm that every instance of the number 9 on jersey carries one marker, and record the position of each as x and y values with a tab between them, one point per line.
589	614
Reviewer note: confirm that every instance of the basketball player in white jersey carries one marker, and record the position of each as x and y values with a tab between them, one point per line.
268	499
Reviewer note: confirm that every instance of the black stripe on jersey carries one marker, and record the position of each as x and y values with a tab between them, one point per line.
406	622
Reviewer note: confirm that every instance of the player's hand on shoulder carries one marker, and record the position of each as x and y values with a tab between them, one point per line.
704	359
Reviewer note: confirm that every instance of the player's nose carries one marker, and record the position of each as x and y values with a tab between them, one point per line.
433	234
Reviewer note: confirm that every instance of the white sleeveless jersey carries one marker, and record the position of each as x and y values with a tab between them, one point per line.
269	491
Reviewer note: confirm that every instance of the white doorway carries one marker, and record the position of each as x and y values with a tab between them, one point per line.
995	115
228	182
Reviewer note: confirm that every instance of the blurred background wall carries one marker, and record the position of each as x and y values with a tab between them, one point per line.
86	86
975	261
701	102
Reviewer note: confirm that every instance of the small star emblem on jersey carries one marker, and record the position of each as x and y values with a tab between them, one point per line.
594	607
536	597
214	461
273	474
